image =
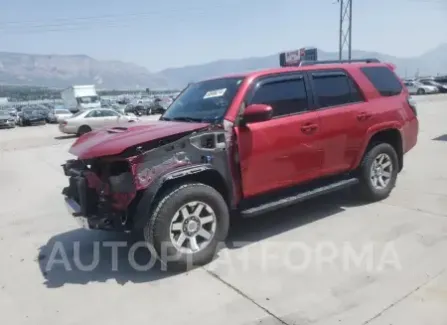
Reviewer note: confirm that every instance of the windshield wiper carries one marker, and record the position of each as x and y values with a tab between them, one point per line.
186	119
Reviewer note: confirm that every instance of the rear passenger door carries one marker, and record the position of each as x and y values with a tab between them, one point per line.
345	117
285	150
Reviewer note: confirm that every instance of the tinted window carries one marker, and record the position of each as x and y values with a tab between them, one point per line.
384	80
286	97
333	89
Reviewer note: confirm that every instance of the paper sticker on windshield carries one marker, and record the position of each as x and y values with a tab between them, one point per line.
215	93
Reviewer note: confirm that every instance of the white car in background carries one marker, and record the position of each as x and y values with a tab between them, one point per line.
58	114
93	119
416	87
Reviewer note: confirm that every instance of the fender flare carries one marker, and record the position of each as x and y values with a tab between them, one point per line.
372	131
144	205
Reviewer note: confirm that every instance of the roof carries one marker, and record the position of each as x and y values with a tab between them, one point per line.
264	72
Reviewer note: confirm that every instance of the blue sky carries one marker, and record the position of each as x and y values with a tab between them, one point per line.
169	33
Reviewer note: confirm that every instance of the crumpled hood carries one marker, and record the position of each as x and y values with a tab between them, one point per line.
113	141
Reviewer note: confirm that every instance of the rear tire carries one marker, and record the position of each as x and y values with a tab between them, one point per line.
83	130
378	172
182	220
421	91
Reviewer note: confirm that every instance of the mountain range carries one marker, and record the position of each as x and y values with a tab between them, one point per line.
58	71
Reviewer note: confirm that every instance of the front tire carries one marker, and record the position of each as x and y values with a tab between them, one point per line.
378	172
187	225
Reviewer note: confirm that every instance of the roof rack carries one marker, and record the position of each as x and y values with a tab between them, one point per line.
371	60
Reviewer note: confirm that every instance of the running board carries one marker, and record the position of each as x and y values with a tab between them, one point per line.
299	197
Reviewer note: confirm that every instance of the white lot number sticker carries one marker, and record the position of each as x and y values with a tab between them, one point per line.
215	93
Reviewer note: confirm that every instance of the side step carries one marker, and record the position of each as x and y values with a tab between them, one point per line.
298	197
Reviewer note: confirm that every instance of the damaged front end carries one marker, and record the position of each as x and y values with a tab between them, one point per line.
100	192
116	192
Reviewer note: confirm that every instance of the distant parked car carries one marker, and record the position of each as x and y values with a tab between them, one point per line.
58	114
92	119
160	105
6	120
442	88
32	115
416	87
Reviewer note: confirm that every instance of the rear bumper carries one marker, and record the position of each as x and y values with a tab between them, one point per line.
67	129
7	125
410	134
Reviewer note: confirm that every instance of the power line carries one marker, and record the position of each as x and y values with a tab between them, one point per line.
62	24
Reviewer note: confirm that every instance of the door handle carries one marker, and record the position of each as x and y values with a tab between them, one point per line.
308	128
364	116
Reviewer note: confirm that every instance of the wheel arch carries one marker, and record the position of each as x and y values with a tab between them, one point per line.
150	196
392	136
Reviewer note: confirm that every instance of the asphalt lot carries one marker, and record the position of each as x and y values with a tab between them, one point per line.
260	278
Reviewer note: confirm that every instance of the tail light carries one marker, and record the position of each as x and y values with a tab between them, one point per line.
63	123
412	103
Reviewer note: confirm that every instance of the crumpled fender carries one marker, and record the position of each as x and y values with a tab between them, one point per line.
145	204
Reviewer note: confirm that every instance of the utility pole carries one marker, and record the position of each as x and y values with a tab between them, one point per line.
345	31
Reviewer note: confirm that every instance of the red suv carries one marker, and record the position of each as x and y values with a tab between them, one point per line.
243	145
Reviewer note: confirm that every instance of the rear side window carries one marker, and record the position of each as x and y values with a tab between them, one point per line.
285	96
384	80
335	89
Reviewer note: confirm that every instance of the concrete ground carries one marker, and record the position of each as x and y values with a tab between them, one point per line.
327	261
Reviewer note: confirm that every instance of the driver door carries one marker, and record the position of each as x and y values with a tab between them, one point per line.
285	150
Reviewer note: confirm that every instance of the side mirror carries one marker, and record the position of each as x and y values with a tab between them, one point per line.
257	113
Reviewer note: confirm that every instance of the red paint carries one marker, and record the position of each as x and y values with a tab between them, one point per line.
295	149
280	152
104	143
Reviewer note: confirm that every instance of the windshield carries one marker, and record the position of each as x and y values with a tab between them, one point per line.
87	99
204	101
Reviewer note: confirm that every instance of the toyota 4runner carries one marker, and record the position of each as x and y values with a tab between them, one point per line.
243	145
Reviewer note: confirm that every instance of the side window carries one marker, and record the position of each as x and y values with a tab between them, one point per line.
334	89
356	94
384	80
285	96
108	113
94	113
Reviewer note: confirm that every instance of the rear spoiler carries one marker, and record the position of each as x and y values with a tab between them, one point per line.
391	66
